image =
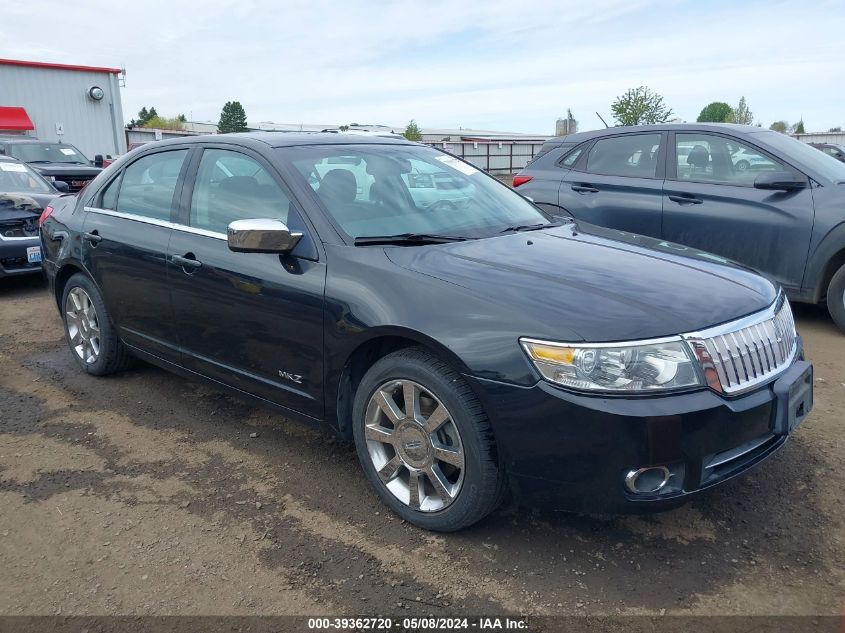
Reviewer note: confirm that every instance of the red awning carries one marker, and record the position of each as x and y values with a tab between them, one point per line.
13	118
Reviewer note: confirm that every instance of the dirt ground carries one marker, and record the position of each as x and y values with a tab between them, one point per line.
145	494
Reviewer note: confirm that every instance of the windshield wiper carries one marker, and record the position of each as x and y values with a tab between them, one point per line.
529	227
38	161
408	238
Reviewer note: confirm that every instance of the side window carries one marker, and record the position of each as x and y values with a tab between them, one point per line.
108	196
232	186
148	184
710	158
630	155
572	157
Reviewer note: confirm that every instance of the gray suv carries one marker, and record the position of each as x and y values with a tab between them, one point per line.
743	193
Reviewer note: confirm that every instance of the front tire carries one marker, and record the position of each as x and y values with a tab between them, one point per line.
93	340
425	443
836	298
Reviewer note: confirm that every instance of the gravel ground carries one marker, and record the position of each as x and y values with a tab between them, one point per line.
147	494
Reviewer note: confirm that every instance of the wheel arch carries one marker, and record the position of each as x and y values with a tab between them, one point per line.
67	270
365	354
827	259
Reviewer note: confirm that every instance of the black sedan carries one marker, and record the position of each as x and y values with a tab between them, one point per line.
23	196
754	196
470	345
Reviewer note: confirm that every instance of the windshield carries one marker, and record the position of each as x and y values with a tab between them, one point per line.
46	153
804	154
381	190
18	178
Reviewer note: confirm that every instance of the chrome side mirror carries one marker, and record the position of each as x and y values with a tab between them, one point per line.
261	236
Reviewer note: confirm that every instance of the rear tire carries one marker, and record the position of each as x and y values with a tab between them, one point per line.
454	470
90	334
836	298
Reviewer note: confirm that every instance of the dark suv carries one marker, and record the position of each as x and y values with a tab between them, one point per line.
753	196
470	345
57	162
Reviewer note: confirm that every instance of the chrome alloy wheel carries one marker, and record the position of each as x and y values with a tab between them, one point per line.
414	445
83	329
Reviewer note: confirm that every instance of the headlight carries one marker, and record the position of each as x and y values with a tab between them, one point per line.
621	367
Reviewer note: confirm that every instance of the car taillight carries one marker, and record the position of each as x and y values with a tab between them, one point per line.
520	180
46	213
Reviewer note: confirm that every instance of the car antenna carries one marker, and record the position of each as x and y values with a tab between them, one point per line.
602	120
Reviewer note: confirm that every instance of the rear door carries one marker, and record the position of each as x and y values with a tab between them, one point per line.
618	183
253	321
126	232
711	204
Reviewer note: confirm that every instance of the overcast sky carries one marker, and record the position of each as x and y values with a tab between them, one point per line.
489	64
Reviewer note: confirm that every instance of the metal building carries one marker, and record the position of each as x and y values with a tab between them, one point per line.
74	104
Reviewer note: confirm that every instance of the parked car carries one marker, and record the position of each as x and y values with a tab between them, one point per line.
466	352
783	214
54	161
831	149
23	195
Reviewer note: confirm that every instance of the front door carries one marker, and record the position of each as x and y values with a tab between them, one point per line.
253	321
711	204
618	184
127	229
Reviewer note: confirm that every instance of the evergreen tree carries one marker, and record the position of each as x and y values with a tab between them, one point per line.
412	131
232	118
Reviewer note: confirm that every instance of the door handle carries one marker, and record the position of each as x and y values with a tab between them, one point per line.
188	261
584	189
93	237
685	199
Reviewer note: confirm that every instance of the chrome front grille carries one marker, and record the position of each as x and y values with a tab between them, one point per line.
749	351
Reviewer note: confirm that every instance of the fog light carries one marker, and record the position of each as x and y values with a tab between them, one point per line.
647	481
656	480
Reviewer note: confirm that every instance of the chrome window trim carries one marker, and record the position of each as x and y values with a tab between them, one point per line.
154	222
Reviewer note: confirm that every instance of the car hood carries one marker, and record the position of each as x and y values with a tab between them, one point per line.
61	169
595	283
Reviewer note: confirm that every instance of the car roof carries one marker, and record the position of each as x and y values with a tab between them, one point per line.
284	139
579	137
28	141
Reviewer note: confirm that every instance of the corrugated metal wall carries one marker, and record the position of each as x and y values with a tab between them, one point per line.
52	95
822	137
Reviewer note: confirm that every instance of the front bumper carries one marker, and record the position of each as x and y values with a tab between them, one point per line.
13	259
569	451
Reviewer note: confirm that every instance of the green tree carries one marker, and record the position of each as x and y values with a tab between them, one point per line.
741	114
639	106
835	129
716	112
144	115
799	127
232	118
780	126
182	118
412	131
164	123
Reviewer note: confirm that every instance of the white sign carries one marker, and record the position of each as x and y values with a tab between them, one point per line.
4	166
158	135
67	151
60	129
